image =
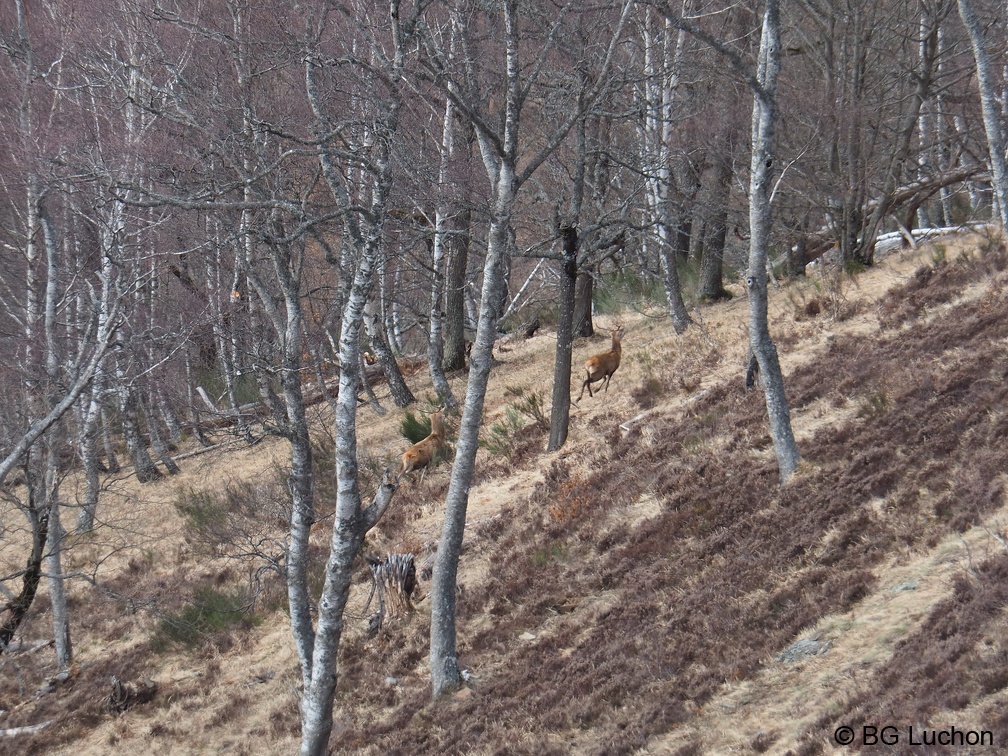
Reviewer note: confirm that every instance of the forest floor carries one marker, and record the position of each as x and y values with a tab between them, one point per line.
650	588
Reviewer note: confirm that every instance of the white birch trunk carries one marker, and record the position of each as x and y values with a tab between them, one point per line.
662	66
763	127
54	564
993	124
435	351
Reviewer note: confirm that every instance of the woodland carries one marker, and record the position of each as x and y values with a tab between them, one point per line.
270	229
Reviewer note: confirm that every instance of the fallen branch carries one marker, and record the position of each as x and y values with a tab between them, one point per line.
13	732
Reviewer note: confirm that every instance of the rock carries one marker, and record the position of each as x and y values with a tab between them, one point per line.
803	649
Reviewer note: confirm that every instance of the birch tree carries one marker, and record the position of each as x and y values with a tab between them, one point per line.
362	211
509	163
997	141
762	81
53	356
663	49
760	224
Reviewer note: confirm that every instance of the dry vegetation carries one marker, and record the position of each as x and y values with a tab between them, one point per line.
636	590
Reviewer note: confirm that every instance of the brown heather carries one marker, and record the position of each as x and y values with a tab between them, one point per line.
660	570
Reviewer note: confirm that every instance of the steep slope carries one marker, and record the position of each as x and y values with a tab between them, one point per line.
641	590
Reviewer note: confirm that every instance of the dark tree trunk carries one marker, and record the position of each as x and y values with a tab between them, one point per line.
455	285
38	516
584	289
144	467
110	456
712	263
157	440
560	415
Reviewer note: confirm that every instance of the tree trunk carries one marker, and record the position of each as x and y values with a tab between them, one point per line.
673	289
662	65
194	417
170	417
350	525
445	673
301	484
401	394
435	351
38	517
111	459
711	286
54	563
763	126
143	465
54	566
584	289
362	241
560	414
435	342
993	123
157	440
88	444
455	287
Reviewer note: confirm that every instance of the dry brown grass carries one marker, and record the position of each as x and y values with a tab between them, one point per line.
633	590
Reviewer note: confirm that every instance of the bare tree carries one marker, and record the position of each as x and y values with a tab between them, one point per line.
501	151
992	118
763	81
54	355
760	193
663	55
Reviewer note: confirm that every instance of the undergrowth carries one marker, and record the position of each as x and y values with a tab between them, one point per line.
588	633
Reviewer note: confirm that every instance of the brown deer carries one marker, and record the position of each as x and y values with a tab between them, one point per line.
603	365
418	456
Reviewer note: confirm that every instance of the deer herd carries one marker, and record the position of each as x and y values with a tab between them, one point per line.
598	367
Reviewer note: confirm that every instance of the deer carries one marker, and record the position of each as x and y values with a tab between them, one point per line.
602	366
419	456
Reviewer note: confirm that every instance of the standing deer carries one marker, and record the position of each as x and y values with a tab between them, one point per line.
418	456
603	365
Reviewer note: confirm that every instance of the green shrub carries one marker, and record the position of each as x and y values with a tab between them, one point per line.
501	437
415	428
874	405
627	287
209	613
529	404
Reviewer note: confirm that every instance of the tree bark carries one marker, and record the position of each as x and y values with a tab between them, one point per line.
455	288
157	440
584	288
38	517
993	121
143	465
662	65
560	413
362	245
54	567
763	127
445	672
711	286
401	394
435	351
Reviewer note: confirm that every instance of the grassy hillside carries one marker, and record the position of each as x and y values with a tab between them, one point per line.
650	588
